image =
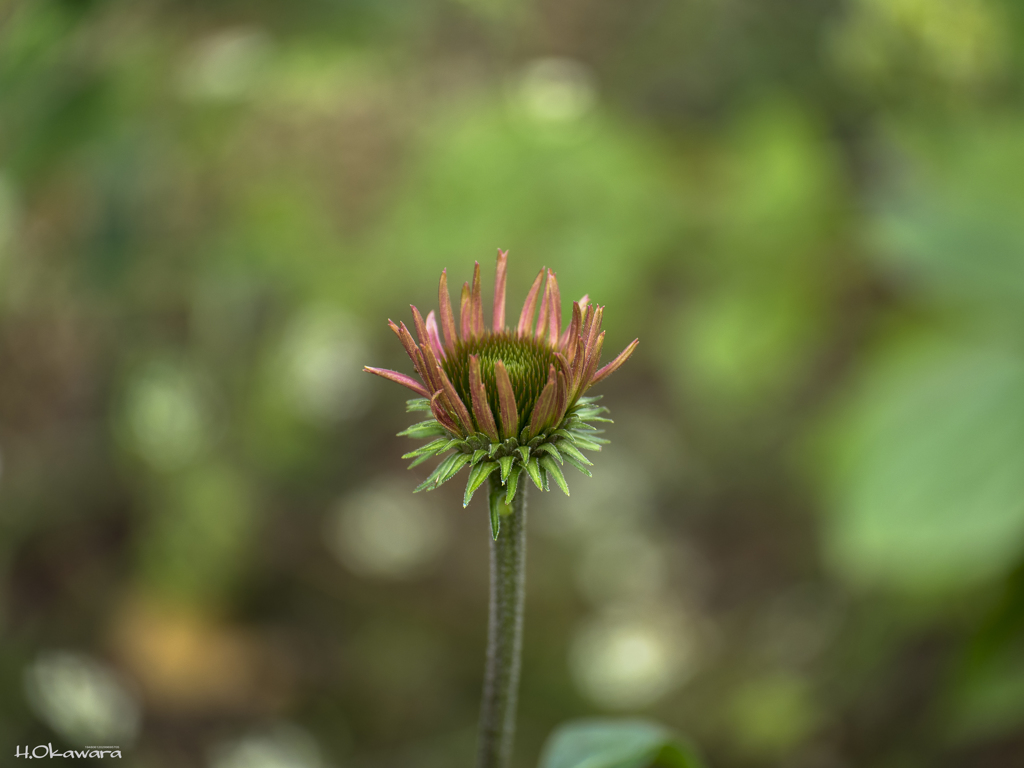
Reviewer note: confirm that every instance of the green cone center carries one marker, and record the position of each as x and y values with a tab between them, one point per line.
527	361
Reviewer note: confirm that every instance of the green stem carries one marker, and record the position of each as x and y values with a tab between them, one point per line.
504	632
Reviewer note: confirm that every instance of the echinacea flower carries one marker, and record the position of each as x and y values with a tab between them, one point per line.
505	400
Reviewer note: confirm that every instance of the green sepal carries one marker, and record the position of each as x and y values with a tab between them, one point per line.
478	454
421	459
439	470
428	428
476	479
524	436
533	467
588	444
578	465
589	414
600	440
555	471
588	400
564	433
429	449
506	463
577	424
494	506
550	448
571	450
417	404
461	460
513	482
525	453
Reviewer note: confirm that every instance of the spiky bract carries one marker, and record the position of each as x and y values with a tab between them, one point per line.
505	400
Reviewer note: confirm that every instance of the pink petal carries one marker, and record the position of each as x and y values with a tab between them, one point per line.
433	335
447	316
478	394
614	365
477	303
466	313
506	402
529	306
441	414
399	378
498	324
544	410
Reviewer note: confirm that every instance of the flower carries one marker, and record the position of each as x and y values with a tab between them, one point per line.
505	400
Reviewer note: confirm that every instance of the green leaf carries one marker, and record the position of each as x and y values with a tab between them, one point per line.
429	449
588	444
525	453
601	743
570	450
460	460
429	428
476	479
533	467
494	505
478	454
555	471
579	466
417	404
506	466
513	482
439	470
550	448
926	486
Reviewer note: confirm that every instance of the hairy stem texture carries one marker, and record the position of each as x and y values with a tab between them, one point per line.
504	633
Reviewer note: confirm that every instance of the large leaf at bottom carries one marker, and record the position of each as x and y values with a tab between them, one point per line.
603	743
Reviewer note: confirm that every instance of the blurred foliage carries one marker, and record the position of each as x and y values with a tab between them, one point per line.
805	545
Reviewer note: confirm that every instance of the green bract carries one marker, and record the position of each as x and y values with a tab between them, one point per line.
505	400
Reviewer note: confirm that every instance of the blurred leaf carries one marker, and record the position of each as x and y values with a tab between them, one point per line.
772	715
955	224
927	490
616	744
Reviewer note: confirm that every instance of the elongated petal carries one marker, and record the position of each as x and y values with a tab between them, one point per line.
433	336
420	326
399	378
455	402
414	352
593	361
529	307
432	369
466	313
542	318
561	399
441	414
447	316
567	344
554	309
498	323
544	410
613	366
481	409
477	303
506	402
584	301
594	330
410	346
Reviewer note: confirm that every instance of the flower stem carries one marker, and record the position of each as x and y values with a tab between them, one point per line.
504	633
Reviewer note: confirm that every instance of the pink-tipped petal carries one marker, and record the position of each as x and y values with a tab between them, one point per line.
584	301
498	324
477	302
443	417
434	336
466	313
419	325
529	307
561	400
593	360
567	344
447	316
481	408
544	411
595	328
506	402
614	365
412	350
554	310
399	378
542	318
454	402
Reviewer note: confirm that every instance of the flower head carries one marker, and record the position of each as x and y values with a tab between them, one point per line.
504	399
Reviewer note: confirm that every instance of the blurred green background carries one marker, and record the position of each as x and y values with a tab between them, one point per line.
805	545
